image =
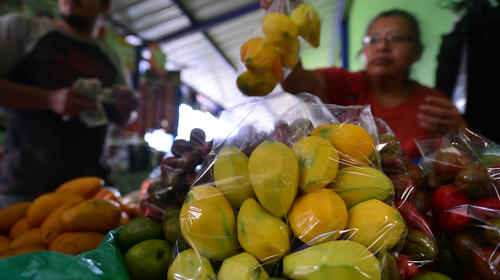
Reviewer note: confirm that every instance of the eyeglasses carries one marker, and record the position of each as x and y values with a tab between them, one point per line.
372	40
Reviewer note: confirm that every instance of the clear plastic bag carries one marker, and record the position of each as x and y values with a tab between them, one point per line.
275	46
295	190
462	182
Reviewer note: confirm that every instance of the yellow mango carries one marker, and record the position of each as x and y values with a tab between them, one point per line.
243	267
52	226
318	162
94	214
279	29
354	144
262	234
259	55
208	223
74	243
29	238
318	216
43	205
10	252
87	187
231	175
375	224
274	174
19	228
256	84
359	183
338	259
4	242
10	215
308	23
290	54
190	265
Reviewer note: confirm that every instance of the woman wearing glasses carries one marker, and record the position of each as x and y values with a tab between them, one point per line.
391	45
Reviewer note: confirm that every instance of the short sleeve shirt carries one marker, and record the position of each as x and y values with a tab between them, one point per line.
352	88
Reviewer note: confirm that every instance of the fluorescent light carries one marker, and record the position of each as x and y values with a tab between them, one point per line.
133	40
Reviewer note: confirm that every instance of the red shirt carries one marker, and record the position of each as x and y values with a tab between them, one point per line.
348	88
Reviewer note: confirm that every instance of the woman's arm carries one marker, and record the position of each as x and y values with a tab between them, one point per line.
302	80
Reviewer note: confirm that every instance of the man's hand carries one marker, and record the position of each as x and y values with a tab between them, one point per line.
440	115
67	102
125	103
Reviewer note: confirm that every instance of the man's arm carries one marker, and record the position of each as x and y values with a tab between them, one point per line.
61	101
302	80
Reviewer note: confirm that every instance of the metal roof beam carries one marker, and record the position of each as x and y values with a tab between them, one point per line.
204	25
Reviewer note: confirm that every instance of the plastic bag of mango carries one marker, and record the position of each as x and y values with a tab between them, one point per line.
73	219
275	46
307	202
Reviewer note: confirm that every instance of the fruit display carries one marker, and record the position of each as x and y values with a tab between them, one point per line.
304	203
73	219
455	212
277	48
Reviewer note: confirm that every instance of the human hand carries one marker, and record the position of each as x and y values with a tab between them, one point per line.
265	4
125	103
65	101
439	114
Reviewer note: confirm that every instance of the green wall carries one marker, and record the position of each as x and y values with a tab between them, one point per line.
434	22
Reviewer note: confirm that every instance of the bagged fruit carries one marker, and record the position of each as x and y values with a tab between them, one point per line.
461	178
274	47
294	190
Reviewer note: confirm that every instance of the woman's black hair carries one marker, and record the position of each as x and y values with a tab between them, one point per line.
412	23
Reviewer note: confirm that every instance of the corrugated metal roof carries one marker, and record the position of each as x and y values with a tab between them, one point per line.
203	38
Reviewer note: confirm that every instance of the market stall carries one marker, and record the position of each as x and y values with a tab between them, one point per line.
293	188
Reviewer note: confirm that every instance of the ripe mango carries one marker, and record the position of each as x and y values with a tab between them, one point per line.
21	250
279	29
359	183
290	54
231	175
262	234
208	223
375	224
339	259
308	24
354	144
243	267
10	215
43	206
189	265
74	243
86	187
52	225
30	238
19	228
94	214
259	55
274	174
4	242
318	216
256	84
318	162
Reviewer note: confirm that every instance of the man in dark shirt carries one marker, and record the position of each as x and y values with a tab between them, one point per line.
47	142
